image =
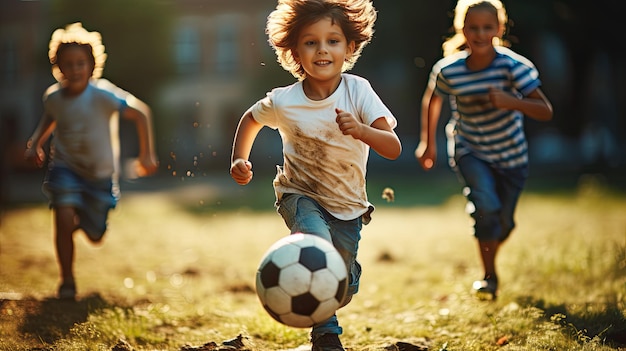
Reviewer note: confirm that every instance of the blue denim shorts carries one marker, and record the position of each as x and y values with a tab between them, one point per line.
492	194
92	199
304	215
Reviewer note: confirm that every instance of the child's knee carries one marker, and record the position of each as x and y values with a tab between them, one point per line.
354	275
487	225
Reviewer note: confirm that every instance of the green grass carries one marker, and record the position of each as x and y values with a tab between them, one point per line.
176	271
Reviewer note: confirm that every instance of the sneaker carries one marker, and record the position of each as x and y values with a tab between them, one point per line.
327	342
486	289
67	291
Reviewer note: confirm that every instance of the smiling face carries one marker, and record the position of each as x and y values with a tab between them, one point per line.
322	49
480	29
77	68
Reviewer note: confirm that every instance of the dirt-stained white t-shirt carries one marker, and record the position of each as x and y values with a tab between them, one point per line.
319	161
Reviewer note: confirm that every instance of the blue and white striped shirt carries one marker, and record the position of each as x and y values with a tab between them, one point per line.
494	135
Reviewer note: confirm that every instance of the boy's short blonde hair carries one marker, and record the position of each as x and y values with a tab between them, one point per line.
355	17
75	34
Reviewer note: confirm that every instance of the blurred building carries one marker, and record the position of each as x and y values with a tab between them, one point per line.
219	48
20	98
220	63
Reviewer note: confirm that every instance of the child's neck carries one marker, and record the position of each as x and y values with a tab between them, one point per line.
320	90
72	90
477	62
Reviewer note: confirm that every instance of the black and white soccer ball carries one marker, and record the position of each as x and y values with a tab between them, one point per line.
301	280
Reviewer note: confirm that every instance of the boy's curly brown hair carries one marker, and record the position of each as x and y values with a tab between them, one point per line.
355	17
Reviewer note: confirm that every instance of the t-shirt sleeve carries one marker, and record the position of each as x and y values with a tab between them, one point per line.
116	96
371	106
264	112
123	106
114	102
524	74
47	103
525	78
437	81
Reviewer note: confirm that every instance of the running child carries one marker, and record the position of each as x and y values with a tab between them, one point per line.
490	90
328	121
80	116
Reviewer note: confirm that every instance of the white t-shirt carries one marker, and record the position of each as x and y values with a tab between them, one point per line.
86	136
319	161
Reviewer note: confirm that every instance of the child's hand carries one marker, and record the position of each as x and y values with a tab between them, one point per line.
241	171
501	99
426	155
35	155
146	166
348	124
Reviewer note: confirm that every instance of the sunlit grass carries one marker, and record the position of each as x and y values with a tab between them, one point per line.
166	277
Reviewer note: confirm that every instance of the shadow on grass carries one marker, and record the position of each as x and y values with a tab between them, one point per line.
583	323
52	319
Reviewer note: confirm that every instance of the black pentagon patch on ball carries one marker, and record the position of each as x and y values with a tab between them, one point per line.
312	258
269	275
304	304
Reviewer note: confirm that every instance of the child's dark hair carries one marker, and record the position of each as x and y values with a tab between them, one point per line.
355	17
74	35
64	46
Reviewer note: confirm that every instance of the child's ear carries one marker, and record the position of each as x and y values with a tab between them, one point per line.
501	31
295	55
350	49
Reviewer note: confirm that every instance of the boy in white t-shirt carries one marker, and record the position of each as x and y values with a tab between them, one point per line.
328	121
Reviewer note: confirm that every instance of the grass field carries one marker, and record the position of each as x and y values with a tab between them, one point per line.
176	272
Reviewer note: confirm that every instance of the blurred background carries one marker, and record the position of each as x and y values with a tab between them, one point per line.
200	64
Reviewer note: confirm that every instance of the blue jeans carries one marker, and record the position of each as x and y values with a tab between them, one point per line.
92	199
492	194
303	215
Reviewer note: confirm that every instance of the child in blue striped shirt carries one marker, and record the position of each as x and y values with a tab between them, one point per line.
490	89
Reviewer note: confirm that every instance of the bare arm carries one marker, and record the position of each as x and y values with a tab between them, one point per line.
138	112
379	136
34	147
426	151
241	167
536	105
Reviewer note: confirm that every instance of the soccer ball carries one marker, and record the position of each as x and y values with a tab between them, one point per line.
302	280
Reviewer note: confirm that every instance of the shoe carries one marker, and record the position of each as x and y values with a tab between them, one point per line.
327	342
94	236
67	291
486	289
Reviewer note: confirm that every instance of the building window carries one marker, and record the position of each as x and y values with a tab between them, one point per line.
227	50
187	51
8	62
